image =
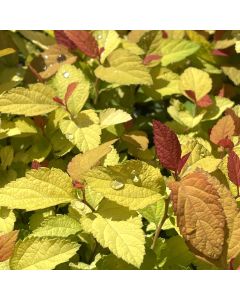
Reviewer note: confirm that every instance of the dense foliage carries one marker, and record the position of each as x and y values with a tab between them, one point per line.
119	149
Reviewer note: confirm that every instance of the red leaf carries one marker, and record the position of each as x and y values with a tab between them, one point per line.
84	41
219	52
182	162
167	145
78	185
191	94
204	101
70	90
58	100
234	168
149	58
37	165
226	143
62	39
40	122
164	34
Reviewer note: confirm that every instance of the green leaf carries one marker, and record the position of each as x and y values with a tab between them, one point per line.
125	238
39	189
36	100
134	184
125	69
58	226
197	81
83	131
154	212
173	254
6	156
107	39
220	104
42	253
113	116
66	75
173	50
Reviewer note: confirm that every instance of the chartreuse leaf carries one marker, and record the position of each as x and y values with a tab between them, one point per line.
39	216
154	212
165	83
199	158
39	189
113	116
83	131
4	265
220	104
125	69
173	50
233	73
82	163
7	220
58	226
118	229
107	39
133	184
36	100
184	117
42	253
195	80
66	75
6	51
173	254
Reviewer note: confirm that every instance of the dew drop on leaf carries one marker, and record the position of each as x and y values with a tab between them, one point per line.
117	185
99	37
66	74
69	136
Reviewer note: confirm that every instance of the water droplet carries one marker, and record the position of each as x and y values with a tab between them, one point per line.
22	146
44	68
117	185
66	74
99	37
61	58
69	136
135	177
46	56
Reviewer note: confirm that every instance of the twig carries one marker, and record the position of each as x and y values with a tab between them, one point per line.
159	228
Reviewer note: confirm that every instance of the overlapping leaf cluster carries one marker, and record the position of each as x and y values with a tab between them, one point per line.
119	149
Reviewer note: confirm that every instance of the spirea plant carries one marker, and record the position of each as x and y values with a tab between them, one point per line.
119	150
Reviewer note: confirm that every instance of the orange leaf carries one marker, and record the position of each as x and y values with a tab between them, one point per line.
7	243
224	128
200	215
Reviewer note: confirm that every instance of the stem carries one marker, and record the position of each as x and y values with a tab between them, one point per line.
159	228
85	201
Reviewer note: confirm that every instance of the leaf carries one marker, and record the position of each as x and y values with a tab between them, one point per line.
224	128
200	215
137	138
7	243
234	168
125	238
133	184
83	131
39	189
66	76
113	116
125	69
233	73
36	100
167	146
173	50
57	226
154	212
173	254
196	81
53	57
6	51
108	40
7	220
82	163
84	41
42	253
6	156
220	104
